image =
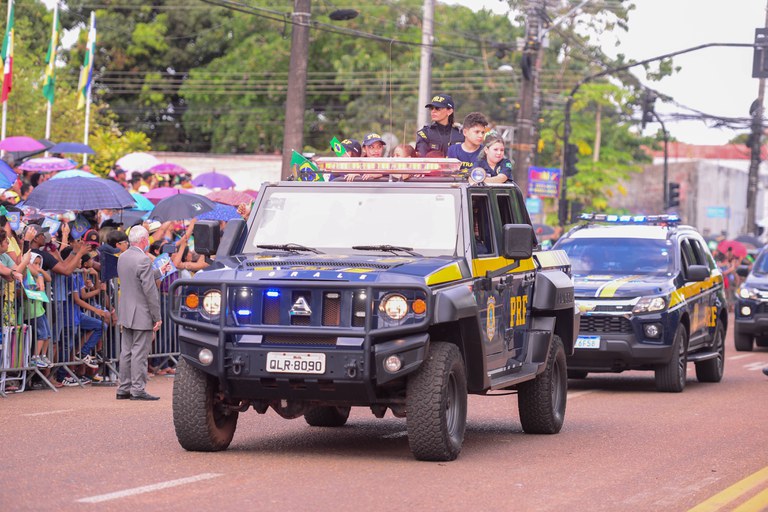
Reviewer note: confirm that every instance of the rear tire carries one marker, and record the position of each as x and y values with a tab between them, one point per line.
327	416
436	405
201	421
541	401
711	370
743	342
670	378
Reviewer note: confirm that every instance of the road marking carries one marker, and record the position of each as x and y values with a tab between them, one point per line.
59	411
737	490
755	504
396	435
577	394
754	366
149	488
740	356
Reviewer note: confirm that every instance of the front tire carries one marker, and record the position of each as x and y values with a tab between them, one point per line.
327	416
201	421
743	342
436	405
541	401
711	370
670	378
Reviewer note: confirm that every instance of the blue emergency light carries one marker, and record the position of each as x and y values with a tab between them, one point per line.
651	220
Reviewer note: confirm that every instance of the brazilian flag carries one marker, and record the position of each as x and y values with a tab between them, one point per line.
303	169
337	147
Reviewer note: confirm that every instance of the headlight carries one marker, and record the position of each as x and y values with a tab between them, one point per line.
748	293
212	303
650	305
395	306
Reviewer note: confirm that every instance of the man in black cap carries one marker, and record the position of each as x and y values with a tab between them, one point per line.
441	133
352	147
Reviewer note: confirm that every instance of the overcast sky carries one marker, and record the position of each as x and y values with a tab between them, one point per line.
717	81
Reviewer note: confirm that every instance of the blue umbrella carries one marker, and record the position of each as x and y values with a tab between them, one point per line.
7	175
79	194
223	212
213	180
73	173
72	147
142	203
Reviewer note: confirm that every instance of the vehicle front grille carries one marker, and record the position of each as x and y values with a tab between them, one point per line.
299	340
605	324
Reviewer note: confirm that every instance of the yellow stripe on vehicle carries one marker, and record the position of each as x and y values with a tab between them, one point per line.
482	265
446	274
609	289
548	259
692	289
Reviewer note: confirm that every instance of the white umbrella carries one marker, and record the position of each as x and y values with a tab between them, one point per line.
137	162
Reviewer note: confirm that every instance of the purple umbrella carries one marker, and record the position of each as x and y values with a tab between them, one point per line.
47	164
158	194
167	168
21	144
213	180
7	175
72	147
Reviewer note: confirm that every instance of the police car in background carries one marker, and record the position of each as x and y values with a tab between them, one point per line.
751	314
651	298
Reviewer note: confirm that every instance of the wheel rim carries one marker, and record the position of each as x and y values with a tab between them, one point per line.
682	363
557	388
720	346
452	407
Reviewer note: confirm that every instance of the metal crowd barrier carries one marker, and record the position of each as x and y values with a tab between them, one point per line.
18	331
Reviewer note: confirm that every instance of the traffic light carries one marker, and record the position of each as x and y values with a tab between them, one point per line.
673	197
648	101
571	159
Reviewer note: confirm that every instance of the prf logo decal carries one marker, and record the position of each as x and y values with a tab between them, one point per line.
517	310
438	99
490	323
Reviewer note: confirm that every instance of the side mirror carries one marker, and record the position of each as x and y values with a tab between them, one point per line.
207	234
518	241
742	270
697	273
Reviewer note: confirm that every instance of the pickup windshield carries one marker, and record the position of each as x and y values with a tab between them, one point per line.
612	256
334	220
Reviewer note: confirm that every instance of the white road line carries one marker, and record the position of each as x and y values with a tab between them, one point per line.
396	435
577	394
740	356
149	488
59	411
753	367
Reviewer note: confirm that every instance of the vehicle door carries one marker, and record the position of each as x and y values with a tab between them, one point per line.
697	293
710	301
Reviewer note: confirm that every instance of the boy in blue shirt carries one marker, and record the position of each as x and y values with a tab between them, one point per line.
468	151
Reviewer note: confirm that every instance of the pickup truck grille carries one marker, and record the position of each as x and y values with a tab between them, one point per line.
605	324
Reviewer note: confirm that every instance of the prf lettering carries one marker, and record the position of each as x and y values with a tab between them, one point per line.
517	310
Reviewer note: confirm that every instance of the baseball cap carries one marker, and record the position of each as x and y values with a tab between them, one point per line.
91	237
40	229
440	101
352	146
372	138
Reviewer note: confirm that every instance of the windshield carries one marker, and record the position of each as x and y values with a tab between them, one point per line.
591	256
761	265
333	221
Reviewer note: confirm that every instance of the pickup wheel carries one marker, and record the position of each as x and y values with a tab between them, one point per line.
541	401
670	378
201	421
711	370
436	405
743	342
327	416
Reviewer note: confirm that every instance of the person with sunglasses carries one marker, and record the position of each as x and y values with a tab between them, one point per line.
441	132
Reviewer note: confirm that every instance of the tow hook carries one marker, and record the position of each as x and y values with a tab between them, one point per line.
237	365
352	367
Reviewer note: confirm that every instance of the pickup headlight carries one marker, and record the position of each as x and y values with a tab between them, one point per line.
394	306
650	305
212	304
748	293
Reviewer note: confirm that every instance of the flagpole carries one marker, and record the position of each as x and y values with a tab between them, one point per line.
88	88
52	64
5	103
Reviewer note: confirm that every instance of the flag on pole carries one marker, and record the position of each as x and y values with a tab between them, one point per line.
7	55
49	86
304	170
86	74
337	147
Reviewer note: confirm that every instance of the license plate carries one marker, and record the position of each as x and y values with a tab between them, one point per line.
295	362
587	342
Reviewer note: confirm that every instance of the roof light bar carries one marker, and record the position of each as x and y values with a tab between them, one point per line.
667	219
432	166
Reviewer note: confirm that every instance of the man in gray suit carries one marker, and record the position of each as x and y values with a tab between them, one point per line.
138	315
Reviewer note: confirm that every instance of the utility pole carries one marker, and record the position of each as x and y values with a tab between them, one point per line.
526	117
425	73
293	136
756	139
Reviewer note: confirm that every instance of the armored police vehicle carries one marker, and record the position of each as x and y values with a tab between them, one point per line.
650	296
751	312
402	296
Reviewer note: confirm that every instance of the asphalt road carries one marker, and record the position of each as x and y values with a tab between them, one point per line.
624	447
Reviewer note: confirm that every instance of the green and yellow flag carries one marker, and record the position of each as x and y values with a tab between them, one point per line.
337	147
303	169
49	86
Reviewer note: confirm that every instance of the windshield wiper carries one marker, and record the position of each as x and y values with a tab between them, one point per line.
388	248
290	248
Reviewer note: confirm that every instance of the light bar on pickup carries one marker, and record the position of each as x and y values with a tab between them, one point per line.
431	166
650	220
